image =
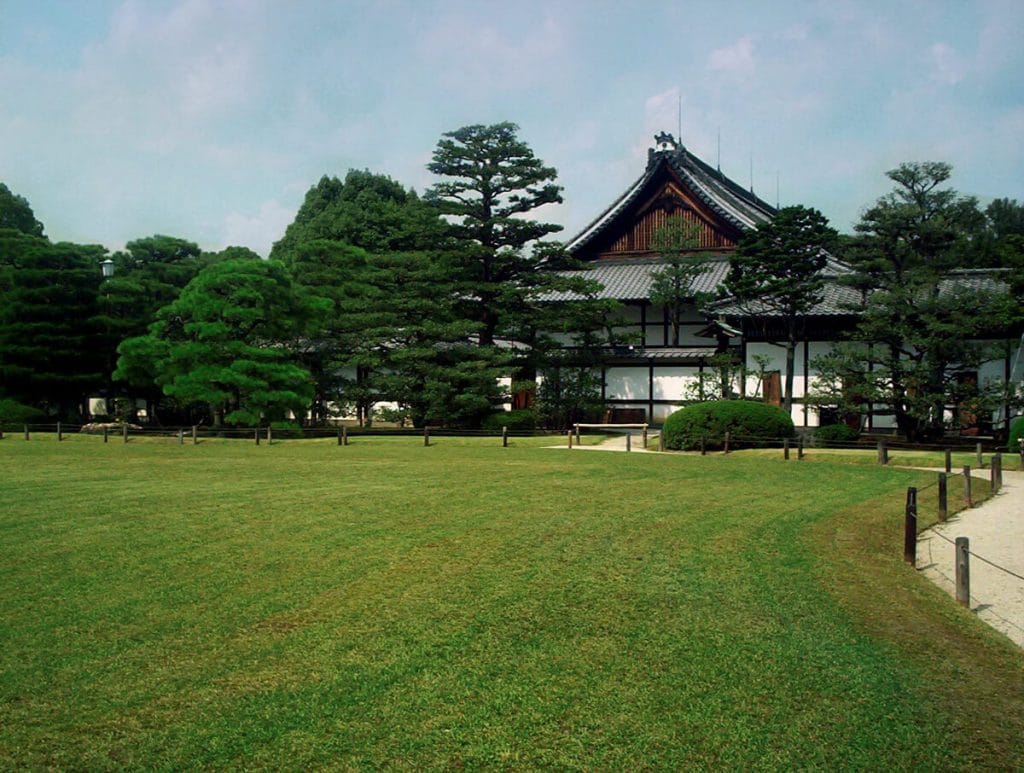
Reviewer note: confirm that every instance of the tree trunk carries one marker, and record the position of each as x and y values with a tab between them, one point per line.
787	393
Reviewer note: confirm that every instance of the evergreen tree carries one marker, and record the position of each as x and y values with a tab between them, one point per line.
672	284
776	271
227	342
16	213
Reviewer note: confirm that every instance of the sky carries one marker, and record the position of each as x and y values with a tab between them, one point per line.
210	119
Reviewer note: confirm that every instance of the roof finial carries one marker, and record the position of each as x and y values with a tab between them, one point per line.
665	142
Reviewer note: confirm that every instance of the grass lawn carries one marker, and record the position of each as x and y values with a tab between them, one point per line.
388	605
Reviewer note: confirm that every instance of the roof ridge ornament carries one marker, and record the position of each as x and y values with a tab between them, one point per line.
665	145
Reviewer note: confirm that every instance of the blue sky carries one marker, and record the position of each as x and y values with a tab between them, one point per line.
210	119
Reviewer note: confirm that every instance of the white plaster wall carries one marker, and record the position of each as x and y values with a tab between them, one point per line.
670	383
662	412
625	383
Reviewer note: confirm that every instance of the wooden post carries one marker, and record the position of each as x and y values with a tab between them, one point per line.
256	435
997	462
181	436
195	439
339	436
992	475
661	441
785	449
629	441
645	437
344	435
568	436
963	572
910	528
949	460
977	449
967	485
26	432
104	434
426	437
270	435
703	448
504	436
124	432
60	432
577	434
726	442
943	497
883	452
800	449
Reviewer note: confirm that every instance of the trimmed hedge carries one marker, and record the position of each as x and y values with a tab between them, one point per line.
742	419
13	412
836	433
1016	432
520	420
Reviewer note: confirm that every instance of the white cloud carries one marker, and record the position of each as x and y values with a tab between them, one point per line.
737	58
258	232
947	66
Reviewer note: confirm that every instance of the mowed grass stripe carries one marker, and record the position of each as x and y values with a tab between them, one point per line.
387	604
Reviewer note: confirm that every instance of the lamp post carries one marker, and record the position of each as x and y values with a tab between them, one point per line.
107	267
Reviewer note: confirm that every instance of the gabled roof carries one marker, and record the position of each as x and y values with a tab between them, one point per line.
630	280
728	201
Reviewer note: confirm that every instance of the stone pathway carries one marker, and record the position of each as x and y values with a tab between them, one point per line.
995	529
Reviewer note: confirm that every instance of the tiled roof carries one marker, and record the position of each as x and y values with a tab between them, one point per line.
690	354
730	201
630	280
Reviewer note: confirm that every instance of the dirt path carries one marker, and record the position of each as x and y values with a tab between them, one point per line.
996	532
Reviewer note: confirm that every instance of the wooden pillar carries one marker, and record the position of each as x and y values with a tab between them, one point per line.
910	528
963	572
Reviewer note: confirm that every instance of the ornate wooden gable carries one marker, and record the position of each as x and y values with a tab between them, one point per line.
676	183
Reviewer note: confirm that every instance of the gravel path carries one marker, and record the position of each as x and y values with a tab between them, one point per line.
996	532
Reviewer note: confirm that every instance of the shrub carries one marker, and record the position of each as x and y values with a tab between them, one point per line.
13	412
742	419
521	420
836	433
1016	432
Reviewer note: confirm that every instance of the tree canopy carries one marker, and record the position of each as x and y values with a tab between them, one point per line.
16	213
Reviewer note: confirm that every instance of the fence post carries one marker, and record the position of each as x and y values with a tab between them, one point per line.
661	441
568	436
124	432
194	435
1	431
785	449
577	434
977	449
800	448
997	462
910	528
949	460
726	442
963	572
344	435
181	436
883	452
60	432
26	432
703	448
339	436
645	437
504	436
967	485
426	436
943	497
992	476
104	434
270	435
629	441
256	435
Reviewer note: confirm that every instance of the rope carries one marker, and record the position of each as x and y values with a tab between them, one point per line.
980	558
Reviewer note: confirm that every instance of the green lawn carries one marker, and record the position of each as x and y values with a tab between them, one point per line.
388	605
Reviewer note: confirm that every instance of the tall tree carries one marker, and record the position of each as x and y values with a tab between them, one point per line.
49	353
672	284
915	340
16	213
492	183
776	271
228	342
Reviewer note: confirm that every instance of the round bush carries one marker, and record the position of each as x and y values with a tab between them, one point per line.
743	419
13	412
836	433
1016	432
522	420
